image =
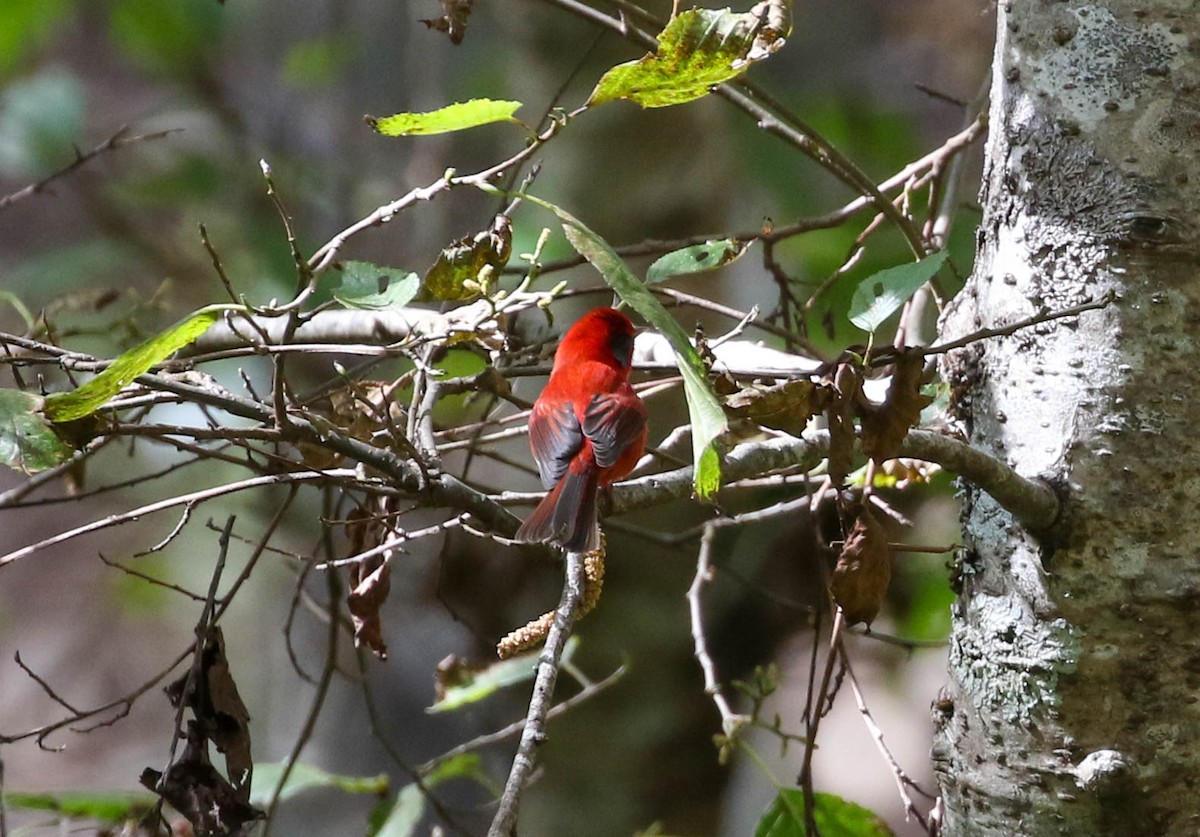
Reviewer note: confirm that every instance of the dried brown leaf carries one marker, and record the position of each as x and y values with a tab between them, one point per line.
787	406
885	425
229	724
453	20
198	791
359	409
451	672
860	579
839	414
371	581
220	714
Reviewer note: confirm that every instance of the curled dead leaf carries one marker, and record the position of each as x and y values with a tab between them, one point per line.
787	406
453	20
839	414
370	578
198	791
863	571
359	409
371	583
885	425
451	672
220	714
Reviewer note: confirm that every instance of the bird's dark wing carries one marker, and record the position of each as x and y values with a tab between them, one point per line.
612	422
555	437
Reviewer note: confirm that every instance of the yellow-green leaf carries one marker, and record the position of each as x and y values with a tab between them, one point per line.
882	294
699	49
85	400
106	807
401	818
456	117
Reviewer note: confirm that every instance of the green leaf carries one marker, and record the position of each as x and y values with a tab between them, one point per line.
305	777
881	295
699	49
458	273
375	288
464	765
85	400
473	686
27	441
111	808
832	815
401	818
456	117
696	259
704	411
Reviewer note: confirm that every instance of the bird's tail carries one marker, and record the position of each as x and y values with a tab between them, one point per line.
567	515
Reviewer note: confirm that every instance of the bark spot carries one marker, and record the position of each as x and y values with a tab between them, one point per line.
1100	64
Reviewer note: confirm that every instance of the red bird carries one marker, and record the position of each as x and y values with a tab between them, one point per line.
587	429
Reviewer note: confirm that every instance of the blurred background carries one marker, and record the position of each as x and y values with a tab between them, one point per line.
112	253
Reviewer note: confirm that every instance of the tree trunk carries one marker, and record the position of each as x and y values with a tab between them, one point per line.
1075	654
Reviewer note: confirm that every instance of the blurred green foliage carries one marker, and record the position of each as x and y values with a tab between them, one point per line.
170	38
41	119
25	25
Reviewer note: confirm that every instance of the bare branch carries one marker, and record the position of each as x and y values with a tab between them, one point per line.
120	706
505	822
589	691
903	782
334	586
182	500
120	139
731	721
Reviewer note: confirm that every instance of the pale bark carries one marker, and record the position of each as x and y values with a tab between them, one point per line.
1075	654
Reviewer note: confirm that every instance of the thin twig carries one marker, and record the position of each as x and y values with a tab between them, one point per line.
120	139
1044	315
589	691
122	704
505	822
54	696
334	587
204	631
182	500
731	721
903	782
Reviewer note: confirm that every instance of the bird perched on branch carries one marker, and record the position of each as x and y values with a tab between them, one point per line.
587	429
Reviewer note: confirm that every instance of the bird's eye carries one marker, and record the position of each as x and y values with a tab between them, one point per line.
622	348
